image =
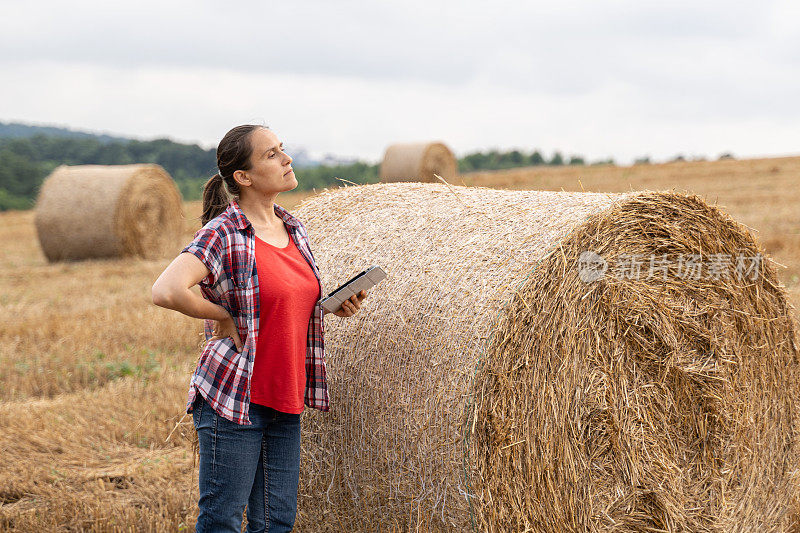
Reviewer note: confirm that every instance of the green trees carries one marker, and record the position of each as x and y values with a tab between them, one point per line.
557	159
25	161
19	179
495	160
323	176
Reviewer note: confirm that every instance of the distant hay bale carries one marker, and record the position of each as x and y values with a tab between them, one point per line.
418	162
92	211
488	384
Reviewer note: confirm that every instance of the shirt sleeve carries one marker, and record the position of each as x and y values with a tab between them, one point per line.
207	247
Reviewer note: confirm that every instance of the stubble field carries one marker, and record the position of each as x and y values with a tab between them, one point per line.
93	377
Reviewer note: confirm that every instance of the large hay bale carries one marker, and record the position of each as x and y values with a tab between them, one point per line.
91	211
418	162
485	366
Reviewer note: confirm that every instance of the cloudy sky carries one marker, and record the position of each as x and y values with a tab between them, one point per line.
597	78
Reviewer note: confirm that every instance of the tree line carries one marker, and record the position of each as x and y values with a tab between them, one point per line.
26	161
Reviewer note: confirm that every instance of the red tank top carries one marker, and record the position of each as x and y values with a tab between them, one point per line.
288	292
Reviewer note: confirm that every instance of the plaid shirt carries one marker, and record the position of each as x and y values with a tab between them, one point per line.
226	245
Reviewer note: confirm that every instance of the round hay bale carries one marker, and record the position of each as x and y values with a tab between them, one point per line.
92	211
418	162
498	381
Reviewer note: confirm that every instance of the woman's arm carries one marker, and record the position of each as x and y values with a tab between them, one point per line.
171	290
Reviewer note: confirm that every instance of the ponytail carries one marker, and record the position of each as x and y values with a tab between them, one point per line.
215	198
233	153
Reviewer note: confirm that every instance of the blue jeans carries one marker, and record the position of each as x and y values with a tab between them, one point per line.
257	466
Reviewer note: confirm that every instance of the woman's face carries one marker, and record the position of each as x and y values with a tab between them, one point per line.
271	167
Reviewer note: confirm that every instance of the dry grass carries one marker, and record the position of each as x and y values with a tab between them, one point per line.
83	352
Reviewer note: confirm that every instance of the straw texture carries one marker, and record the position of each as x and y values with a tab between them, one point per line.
484	386
104	460
92	211
417	162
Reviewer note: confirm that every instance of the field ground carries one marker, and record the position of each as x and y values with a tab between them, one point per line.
93	376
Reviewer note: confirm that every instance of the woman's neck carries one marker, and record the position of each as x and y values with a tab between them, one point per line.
260	212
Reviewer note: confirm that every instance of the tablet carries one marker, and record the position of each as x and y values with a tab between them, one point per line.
362	281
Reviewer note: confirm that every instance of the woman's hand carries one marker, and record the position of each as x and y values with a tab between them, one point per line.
352	305
227	328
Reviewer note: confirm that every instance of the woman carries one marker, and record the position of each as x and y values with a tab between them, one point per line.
264	356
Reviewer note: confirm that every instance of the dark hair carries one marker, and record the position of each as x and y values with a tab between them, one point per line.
233	153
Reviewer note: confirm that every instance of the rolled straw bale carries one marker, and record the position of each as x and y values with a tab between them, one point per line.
485	386
91	211
418	162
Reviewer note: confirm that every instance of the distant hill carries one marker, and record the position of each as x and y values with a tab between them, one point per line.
28	153
16	130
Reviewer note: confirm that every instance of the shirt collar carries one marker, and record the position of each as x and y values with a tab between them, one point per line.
241	222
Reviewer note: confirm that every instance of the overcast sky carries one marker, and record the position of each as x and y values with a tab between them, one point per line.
596	78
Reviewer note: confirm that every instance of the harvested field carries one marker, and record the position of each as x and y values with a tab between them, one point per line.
83	351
